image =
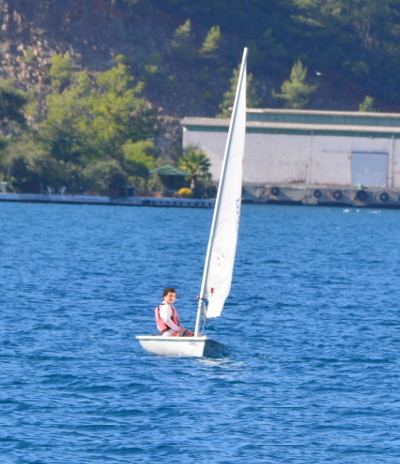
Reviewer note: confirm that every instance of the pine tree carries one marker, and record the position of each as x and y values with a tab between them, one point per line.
367	106
295	91
180	39
211	43
253	100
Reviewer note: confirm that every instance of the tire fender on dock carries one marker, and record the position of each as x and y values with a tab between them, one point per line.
361	195
384	197
337	194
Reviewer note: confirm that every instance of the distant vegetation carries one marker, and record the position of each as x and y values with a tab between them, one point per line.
88	135
96	132
358	39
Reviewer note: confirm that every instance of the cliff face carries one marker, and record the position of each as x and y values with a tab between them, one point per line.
94	33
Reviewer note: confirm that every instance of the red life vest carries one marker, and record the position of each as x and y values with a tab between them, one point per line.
161	325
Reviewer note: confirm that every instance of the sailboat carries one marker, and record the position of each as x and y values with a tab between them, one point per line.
221	250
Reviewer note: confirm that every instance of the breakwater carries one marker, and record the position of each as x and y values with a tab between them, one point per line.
320	195
104	200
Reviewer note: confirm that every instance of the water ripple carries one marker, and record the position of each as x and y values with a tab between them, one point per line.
311	324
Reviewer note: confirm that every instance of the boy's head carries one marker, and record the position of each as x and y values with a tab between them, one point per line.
168	290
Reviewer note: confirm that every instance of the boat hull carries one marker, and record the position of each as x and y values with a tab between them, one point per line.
192	347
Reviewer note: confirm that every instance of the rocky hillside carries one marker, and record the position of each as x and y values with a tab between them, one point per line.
99	33
96	33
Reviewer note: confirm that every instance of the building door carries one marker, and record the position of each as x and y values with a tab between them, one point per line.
369	169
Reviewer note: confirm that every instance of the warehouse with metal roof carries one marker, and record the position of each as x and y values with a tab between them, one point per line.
307	147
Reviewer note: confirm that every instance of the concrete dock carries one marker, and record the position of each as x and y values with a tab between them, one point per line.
283	194
98	200
322	195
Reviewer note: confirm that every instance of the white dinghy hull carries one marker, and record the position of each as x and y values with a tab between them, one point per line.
191	347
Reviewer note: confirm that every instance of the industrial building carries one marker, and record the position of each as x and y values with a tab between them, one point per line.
298	149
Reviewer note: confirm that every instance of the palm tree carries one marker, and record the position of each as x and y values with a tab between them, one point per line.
196	163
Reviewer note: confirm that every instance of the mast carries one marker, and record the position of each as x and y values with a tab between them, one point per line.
234	202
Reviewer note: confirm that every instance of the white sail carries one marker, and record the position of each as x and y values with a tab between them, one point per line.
221	250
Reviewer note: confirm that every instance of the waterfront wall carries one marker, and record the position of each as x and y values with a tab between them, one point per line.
283	194
321	196
98	200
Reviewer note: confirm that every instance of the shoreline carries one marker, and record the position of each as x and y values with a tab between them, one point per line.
277	194
104	200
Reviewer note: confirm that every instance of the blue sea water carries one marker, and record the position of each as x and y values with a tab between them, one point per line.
312	324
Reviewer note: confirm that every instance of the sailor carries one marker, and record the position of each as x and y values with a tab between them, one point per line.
167	319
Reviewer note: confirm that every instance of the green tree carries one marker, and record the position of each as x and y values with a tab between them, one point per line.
252	98
358	70
295	91
27	165
211	43
265	49
12	103
367	106
12	118
117	114
60	71
181	37
139	152
106	121
104	177
197	164
61	130
3	145
64	130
